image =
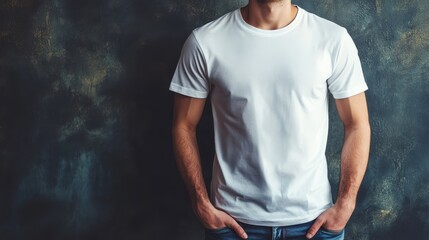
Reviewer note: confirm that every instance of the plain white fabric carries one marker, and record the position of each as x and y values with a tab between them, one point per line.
269	92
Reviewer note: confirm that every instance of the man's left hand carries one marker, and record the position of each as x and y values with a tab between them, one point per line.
334	218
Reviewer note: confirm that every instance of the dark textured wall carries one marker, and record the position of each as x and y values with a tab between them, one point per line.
85	117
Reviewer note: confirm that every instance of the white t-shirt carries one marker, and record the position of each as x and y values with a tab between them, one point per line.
269	97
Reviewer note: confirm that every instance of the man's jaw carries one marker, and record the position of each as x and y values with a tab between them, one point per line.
269	1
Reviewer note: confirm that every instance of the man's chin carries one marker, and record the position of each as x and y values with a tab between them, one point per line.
269	1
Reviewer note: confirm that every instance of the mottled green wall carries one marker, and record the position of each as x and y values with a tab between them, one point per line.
85	115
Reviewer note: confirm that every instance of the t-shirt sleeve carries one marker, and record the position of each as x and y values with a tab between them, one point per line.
190	77
347	77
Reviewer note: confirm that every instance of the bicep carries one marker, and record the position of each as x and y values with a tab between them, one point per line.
187	111
353	110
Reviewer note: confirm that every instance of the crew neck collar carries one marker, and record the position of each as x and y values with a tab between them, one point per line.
267	32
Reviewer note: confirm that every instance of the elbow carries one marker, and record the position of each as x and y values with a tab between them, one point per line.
182	127
363	126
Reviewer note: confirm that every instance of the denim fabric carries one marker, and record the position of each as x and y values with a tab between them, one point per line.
254	232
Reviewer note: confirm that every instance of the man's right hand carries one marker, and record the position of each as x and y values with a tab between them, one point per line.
213	218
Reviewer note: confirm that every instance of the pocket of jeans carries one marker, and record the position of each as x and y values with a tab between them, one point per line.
218	230
332	232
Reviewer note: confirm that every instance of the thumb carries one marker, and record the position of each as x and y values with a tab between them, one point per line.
314	228
237	228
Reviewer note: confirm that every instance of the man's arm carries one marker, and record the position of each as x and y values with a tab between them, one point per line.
355	153
354	158
187	113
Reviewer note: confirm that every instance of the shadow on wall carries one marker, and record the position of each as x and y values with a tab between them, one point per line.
86	152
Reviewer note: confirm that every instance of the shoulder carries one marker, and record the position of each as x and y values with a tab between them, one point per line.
326	29
325	24
214	27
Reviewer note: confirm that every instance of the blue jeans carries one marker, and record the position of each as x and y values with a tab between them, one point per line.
254	232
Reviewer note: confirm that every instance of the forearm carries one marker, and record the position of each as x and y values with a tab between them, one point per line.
354	160
188	162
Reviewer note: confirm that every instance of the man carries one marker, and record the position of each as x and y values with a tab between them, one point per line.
268	68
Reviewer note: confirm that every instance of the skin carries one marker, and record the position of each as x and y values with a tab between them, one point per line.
269	14
354	160
272	14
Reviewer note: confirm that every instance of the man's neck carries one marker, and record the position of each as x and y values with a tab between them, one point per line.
268	14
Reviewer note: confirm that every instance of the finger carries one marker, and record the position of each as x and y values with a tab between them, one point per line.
238	229
314	228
